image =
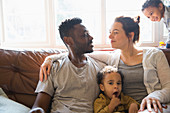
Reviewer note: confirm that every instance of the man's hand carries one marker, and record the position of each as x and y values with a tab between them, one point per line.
133	108
45	69
149	102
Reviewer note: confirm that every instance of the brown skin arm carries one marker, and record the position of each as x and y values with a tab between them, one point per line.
43	101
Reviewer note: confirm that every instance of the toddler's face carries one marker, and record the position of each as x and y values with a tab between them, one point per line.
153	13
112	84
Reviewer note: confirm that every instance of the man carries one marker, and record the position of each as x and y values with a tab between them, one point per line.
71	85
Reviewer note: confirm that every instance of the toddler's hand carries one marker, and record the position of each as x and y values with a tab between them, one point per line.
133	108
115	101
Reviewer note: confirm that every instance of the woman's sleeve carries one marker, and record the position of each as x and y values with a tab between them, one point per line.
163	71
101	56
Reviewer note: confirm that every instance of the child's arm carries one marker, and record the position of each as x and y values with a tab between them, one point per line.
133	108
100	105
131	105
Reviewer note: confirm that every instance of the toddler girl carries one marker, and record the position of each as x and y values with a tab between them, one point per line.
111	99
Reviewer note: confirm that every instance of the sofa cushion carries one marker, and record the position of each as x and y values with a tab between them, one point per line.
9	106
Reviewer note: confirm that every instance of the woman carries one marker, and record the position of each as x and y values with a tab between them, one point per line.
146	71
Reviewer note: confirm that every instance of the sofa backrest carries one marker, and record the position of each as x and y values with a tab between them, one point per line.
167	54
19	72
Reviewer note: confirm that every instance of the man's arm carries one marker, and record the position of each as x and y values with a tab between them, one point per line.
42	101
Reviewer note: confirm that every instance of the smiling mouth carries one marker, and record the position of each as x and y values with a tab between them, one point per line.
116	94
156	19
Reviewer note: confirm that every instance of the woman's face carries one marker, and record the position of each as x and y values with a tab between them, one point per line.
119	40
154	13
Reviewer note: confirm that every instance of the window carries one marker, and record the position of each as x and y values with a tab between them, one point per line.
23	22
34	23
114	10
88	10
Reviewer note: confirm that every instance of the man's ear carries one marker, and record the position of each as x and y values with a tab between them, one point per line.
101	87
68	40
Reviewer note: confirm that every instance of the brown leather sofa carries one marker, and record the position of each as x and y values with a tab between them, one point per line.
19	72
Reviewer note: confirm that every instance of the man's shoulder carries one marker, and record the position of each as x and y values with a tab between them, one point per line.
57	64
96	62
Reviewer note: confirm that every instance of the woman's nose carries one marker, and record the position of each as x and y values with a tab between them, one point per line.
110	36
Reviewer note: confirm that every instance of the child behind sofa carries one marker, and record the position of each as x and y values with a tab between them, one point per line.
155	10
111	99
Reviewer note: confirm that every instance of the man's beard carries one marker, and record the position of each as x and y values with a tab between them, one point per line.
89	51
